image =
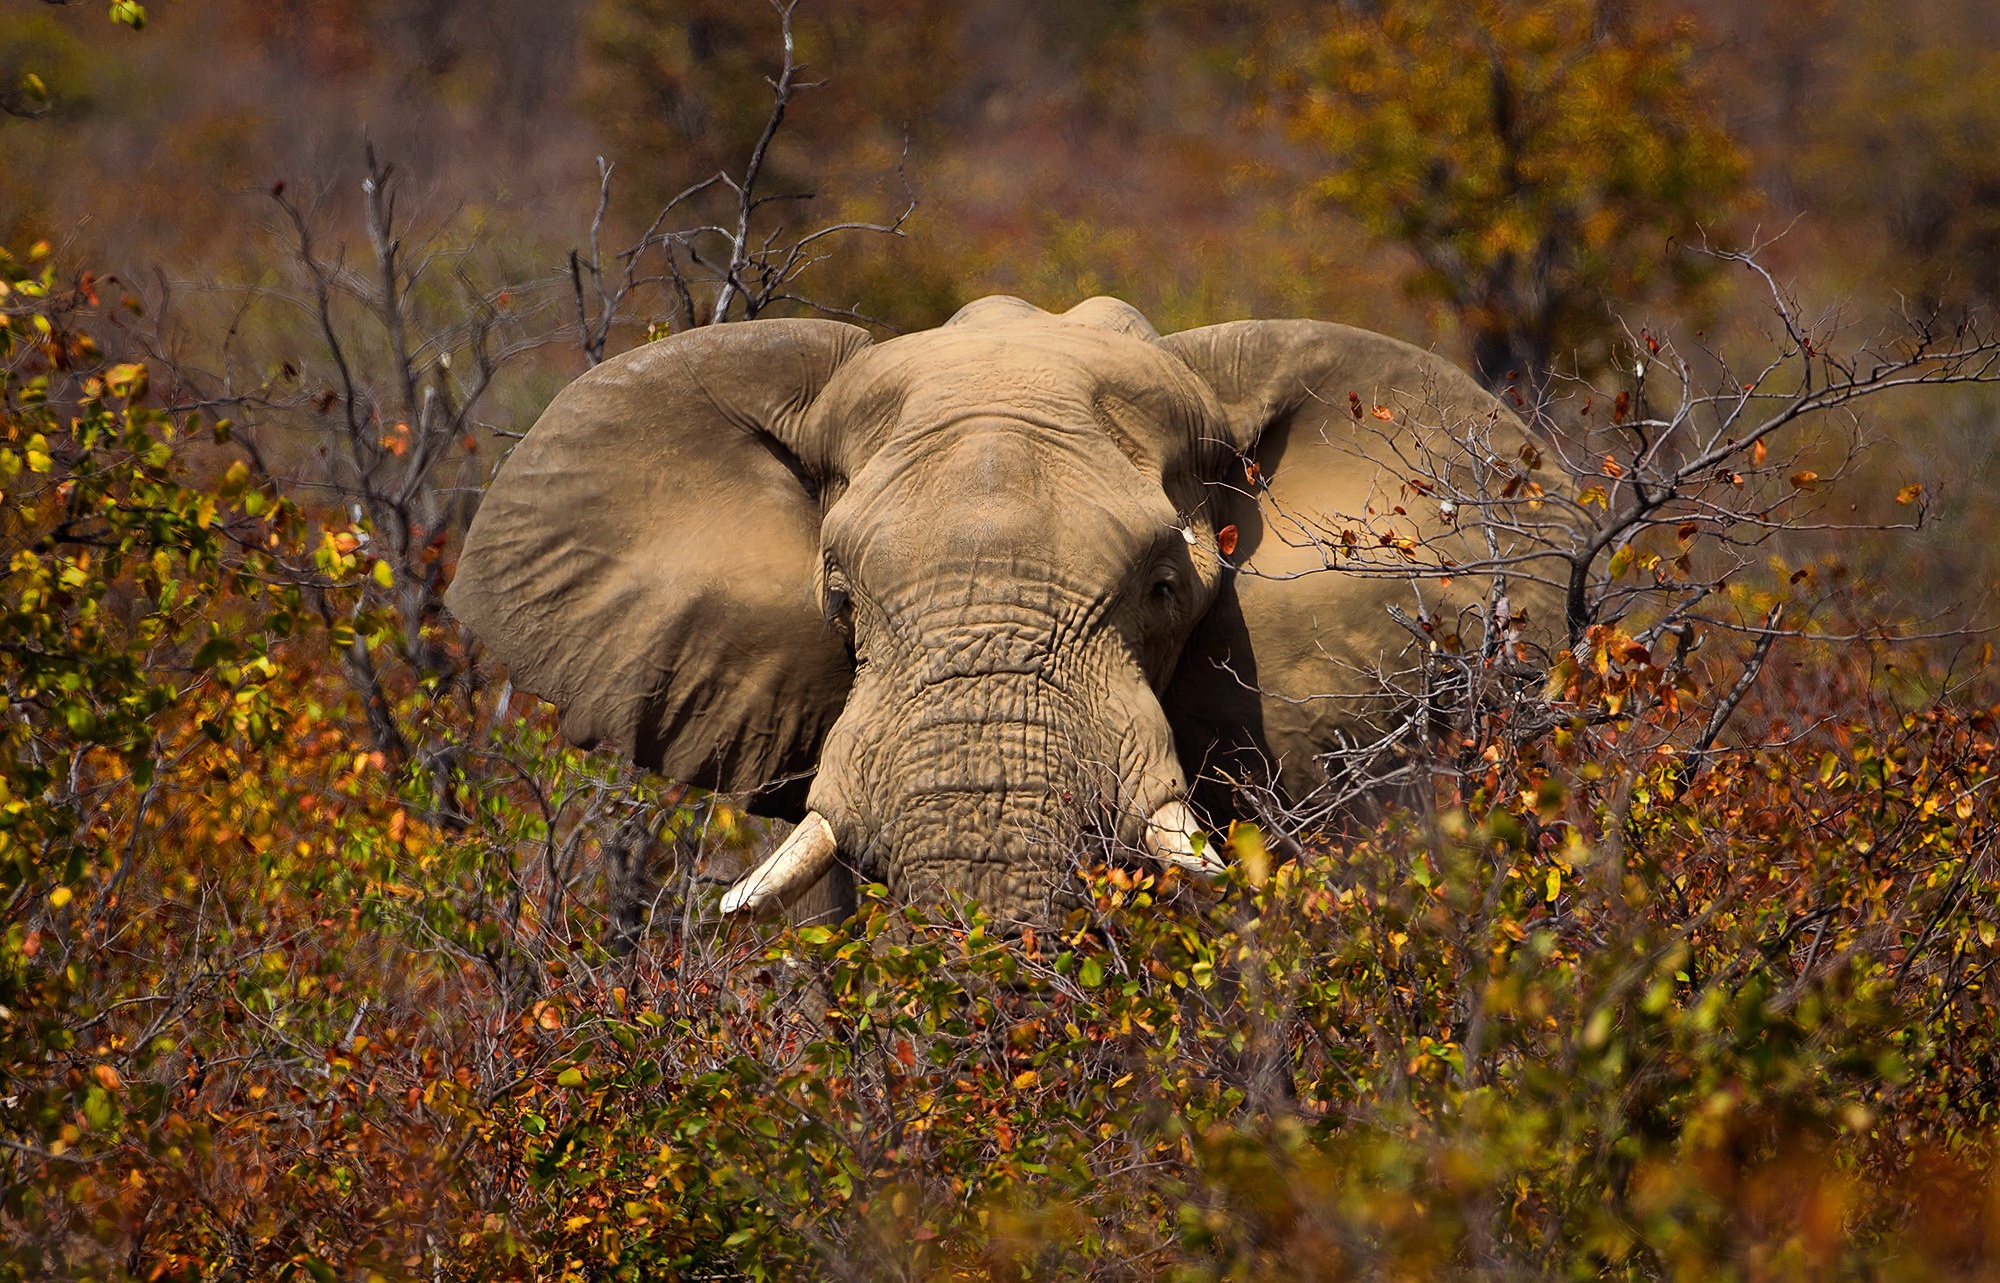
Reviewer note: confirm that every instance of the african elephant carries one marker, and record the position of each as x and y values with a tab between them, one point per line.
964	597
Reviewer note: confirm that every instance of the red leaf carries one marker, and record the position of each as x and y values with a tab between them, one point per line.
1225	539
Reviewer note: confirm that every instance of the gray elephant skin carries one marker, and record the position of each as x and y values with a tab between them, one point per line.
966	599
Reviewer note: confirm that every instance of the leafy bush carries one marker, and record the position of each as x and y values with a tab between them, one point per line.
1558	1041
275	1004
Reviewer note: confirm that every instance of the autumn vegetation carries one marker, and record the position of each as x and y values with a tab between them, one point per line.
323	957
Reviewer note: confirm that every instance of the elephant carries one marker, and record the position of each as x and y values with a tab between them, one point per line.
959	600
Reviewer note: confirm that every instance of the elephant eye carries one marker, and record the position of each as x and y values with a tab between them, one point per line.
1164	589
837	596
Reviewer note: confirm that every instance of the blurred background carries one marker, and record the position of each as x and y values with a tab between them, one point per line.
1517	185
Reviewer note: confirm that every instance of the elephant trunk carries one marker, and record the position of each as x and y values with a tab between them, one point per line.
997	785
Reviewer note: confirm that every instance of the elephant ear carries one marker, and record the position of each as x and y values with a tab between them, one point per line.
1303	652
645	559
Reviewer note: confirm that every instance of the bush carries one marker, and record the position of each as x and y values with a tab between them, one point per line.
275	1003
1597	1035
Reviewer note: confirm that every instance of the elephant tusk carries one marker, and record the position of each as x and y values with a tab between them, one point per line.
801	860
1170	836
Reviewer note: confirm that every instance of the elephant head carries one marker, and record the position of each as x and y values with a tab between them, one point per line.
965	596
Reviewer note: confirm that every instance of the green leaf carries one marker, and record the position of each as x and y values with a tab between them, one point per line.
216	650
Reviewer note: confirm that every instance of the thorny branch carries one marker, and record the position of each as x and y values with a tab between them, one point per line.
1640	510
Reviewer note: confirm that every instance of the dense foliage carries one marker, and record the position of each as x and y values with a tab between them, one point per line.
278	1006
322	957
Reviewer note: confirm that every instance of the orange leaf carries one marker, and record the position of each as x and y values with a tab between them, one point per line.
1383	413
1909	493
1225	539
1757	453
1807	480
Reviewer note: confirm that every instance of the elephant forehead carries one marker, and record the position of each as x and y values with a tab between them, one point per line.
999	495
1029	364
1039	371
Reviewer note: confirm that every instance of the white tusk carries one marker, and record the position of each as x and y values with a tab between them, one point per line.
801	860
1170	836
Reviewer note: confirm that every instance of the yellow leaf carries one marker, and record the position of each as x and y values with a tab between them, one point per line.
1246	845
1026	1079
127	381
1560	675
1807	480
383	575
1621	561
1909	493
61	896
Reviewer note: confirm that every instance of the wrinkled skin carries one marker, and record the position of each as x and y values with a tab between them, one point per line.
1017	590
966	588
